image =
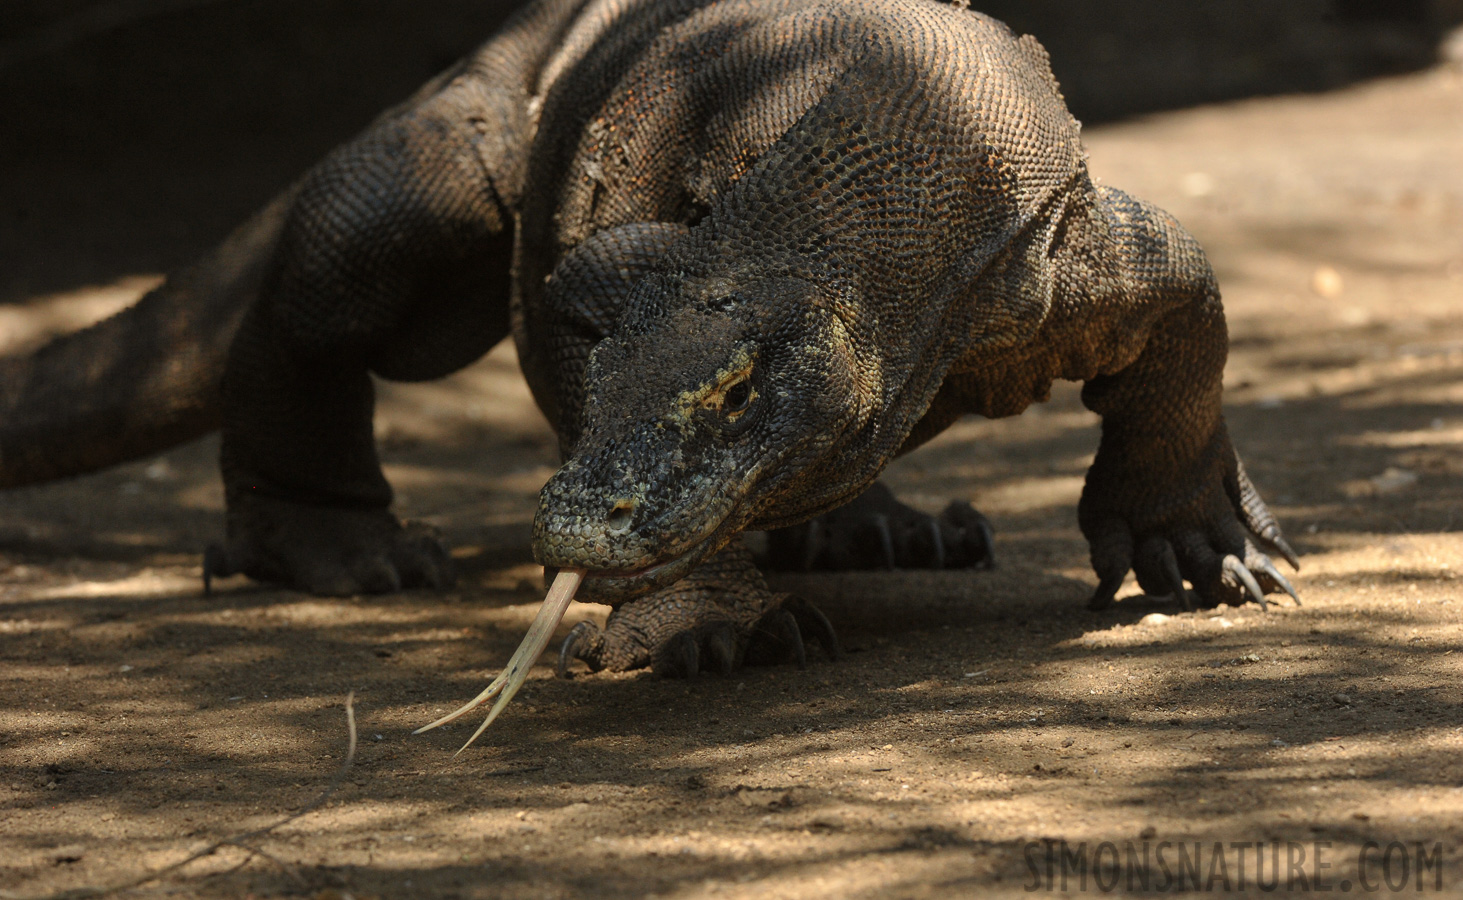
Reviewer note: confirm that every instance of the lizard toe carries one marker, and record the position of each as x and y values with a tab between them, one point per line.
811	622
585	642
1218	575
1157	568
370	575
970	539
877	531
721	648
329	551
1270	578
420	558
679	657
777	640
709	648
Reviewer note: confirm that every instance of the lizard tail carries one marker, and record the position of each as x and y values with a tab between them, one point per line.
142	381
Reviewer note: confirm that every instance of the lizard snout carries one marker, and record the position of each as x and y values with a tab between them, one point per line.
576	531
631	529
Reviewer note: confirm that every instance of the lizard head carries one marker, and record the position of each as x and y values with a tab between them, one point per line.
720	403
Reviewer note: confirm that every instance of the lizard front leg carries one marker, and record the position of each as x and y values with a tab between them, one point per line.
1167	495
719	617
393	261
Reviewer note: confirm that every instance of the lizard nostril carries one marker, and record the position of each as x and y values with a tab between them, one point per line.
619	518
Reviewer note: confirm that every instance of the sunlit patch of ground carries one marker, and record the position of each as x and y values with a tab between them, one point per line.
976	720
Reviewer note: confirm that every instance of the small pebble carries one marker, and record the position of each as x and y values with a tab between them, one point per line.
1197	184
1341	699
1393	480
1154	619
1327	282
68	854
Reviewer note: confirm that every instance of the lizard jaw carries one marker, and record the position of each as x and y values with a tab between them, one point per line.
615	586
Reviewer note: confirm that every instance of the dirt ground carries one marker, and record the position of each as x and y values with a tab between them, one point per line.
977	721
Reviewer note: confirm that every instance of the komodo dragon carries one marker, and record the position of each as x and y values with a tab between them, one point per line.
749	251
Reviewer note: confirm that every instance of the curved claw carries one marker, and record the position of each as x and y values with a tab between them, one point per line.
1271	539
376	576
810	618
679	658
577	645
937	542
1107	589
793	636
1236	569
215	564
775	639
977	540
1175	578
721	647
1290	557
1265	565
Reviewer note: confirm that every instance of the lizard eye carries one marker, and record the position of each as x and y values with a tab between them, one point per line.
738	397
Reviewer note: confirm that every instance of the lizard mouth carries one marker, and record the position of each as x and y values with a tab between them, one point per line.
619	585
616	586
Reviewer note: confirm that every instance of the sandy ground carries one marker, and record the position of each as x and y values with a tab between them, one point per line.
978	720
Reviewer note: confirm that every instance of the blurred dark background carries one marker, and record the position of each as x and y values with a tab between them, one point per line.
135	133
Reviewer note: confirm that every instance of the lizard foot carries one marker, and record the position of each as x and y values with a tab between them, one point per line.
1212	538
719	617
327	551
876	531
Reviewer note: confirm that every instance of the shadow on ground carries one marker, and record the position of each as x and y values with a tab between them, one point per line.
973	714
966	703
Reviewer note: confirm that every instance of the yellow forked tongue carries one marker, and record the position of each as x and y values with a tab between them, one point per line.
511	679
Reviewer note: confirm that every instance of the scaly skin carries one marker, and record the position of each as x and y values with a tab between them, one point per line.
757	249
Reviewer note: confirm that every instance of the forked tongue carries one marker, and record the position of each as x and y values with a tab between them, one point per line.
511	679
